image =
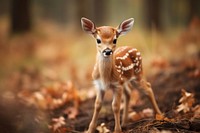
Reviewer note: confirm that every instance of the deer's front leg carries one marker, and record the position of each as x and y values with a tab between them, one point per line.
116	108
97	108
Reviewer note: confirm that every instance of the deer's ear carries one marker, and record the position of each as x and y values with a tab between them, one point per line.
125	26
88	26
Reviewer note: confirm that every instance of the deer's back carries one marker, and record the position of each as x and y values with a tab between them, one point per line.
128	63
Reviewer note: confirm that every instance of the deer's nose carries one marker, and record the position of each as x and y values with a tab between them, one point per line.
107	52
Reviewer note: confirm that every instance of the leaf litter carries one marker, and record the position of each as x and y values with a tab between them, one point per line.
66	106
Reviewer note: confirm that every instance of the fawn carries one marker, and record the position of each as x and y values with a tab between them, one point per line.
118	69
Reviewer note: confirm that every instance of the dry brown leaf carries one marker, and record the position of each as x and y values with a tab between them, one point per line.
89	94
103	129
57	123
52	97
186	102
40	100
147	112
155	130
196	111
72	112
143	114
134	116
161	117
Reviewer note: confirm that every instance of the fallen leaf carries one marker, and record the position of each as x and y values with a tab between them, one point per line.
161	117
155	130
57	123
186	102
196	111
103	129
71	112
134	116
52	97
147	112
143	114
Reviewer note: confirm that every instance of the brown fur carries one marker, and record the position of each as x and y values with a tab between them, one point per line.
115	70
106	33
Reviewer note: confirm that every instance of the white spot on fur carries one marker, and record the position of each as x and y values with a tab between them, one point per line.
123	57
121	49
137	70
118	70
137	63
120	63
131	50
128	67
120	76
117	66
138	53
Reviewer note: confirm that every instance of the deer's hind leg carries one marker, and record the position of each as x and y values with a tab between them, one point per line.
127	93
146	87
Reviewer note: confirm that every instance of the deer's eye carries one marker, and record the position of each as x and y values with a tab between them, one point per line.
98	41
114	41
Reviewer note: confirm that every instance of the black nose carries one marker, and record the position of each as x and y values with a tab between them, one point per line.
107	52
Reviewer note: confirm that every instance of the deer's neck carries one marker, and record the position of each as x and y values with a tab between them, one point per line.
105	68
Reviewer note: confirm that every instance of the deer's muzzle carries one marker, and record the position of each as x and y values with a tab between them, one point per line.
107	52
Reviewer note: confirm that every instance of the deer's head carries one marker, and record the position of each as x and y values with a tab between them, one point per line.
106	36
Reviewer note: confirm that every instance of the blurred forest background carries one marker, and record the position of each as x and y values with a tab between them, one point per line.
162	14
42	47
54	26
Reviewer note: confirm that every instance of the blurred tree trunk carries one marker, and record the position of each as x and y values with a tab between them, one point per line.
194	8
4	7
20	16
100	11
152	8
82	6
59	11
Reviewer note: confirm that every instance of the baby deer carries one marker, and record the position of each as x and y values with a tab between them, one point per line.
118	69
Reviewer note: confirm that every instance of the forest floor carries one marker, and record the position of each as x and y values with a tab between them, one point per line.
34	99
167	87
74	117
